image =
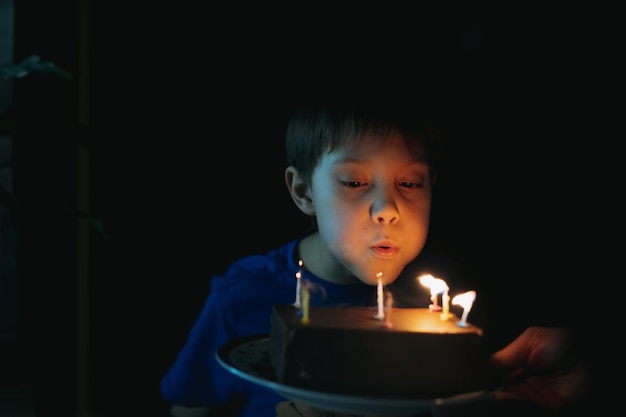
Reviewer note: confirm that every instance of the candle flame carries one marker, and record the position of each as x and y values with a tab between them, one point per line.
465	300
299	272
436	285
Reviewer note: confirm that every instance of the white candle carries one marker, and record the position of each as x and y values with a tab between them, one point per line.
298	285
380	297
465	300
388	309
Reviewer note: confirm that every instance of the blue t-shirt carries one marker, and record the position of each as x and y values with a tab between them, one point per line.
239	304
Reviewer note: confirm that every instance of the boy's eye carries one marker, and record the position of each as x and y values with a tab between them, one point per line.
403	184
352	184
407	184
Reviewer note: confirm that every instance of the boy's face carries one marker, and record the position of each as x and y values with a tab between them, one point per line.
372	202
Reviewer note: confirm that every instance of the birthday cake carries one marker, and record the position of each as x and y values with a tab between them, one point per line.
347	350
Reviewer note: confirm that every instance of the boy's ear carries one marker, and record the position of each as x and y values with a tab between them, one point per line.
299	191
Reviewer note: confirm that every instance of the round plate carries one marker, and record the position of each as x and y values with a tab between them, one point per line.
248	358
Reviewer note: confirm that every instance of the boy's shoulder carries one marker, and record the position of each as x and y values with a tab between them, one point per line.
258	268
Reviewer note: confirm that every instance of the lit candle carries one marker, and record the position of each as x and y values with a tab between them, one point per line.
465	300
445	300
306	296
380	298
298	290
437	286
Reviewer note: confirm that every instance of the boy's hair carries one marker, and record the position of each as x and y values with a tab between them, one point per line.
316	129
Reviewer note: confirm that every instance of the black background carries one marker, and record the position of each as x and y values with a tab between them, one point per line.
187	109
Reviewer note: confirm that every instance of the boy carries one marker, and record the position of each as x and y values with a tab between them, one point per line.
364	175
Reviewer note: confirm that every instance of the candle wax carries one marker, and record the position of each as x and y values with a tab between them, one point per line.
380	297
388	309
298	286
445	300
305	305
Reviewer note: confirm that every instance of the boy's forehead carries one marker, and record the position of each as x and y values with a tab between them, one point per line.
372	145
371	141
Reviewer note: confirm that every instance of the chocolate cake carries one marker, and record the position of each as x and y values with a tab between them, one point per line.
346	350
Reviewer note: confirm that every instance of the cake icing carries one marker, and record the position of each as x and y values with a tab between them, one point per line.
347	350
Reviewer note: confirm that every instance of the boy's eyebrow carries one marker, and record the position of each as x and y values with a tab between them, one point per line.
347	159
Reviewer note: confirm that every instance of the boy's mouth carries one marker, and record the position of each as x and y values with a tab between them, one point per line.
384	250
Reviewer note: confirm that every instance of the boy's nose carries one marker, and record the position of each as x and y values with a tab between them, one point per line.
384	210
384	219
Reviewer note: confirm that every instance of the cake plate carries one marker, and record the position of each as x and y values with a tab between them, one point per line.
248	358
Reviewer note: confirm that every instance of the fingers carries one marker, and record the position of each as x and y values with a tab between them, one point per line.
541	367
537	349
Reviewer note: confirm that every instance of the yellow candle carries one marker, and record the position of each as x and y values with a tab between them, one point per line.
305	305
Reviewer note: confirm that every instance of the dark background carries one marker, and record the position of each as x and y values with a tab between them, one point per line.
181	110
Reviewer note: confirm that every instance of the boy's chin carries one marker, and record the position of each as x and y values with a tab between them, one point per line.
386	273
